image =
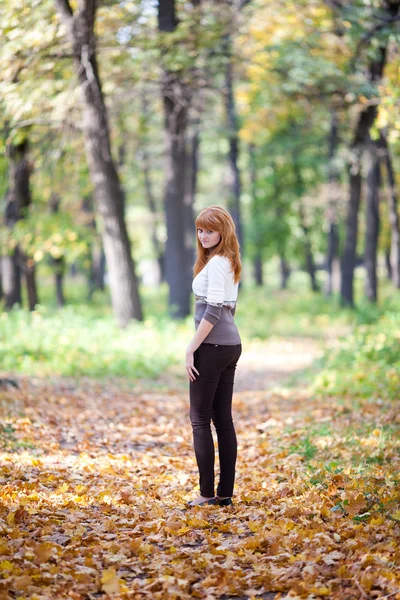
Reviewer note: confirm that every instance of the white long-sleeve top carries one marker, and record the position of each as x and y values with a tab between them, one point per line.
216	295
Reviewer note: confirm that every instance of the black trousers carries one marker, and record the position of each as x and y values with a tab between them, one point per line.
211	399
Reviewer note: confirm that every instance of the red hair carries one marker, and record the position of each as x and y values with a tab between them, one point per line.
218	219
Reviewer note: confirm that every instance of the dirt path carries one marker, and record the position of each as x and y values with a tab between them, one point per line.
263	365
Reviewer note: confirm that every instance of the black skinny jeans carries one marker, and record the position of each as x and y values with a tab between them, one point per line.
211	398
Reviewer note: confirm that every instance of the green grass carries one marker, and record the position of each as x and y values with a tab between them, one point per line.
83	339
364	364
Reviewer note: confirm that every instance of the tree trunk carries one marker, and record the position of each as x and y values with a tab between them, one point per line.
178	278
176	99
190	193
284	270
158	249
309	257
30	277
365	121
349	254
11	279
393	211
388	263
97	268
281	245
10	263
233	137
258	270
333	234
58	263
372	222
258	261
97	259
108	191
19	201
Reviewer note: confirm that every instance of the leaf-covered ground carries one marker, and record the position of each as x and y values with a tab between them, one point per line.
94	480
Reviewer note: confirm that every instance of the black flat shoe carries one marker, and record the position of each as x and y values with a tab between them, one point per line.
224	502
211	501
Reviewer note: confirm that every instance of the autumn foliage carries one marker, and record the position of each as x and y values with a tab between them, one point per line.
95	479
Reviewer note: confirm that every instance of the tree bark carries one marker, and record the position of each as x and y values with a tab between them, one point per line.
151	202
108	191
258	270
97	259
176	97
333	233
388	263
10	263
308	253
365	121
233	138
393	211
348	261
190	193
19	200
258	258
283	263
58	263
284	270
309	257
176	102
372	222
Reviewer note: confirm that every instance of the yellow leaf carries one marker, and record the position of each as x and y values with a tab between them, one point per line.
44	551
6	565
11	518
321	591
396	515
110	581
377	520
195	522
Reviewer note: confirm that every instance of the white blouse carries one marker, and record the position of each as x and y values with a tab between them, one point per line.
215	285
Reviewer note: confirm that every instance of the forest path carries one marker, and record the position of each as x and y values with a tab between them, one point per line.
265	364
94	478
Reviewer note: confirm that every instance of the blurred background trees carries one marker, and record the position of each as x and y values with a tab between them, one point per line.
121	120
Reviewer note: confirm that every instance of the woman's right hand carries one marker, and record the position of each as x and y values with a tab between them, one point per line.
190	368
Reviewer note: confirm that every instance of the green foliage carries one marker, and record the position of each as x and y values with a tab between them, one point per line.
73	342
365	364
42	235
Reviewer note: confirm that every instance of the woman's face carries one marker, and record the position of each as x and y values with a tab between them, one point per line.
208	238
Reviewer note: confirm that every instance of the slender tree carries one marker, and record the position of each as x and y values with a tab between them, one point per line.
394	252
149	194
109	195
18	201
372	222
257	261
232	124
176	97
332	216
366	119
58	263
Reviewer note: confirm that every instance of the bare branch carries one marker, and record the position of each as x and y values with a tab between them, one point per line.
64	9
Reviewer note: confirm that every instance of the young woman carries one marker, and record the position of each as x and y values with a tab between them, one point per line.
214	351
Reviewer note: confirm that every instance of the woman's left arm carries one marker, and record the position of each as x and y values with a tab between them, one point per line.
202	332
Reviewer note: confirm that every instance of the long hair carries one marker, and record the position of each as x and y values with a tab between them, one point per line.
218	219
